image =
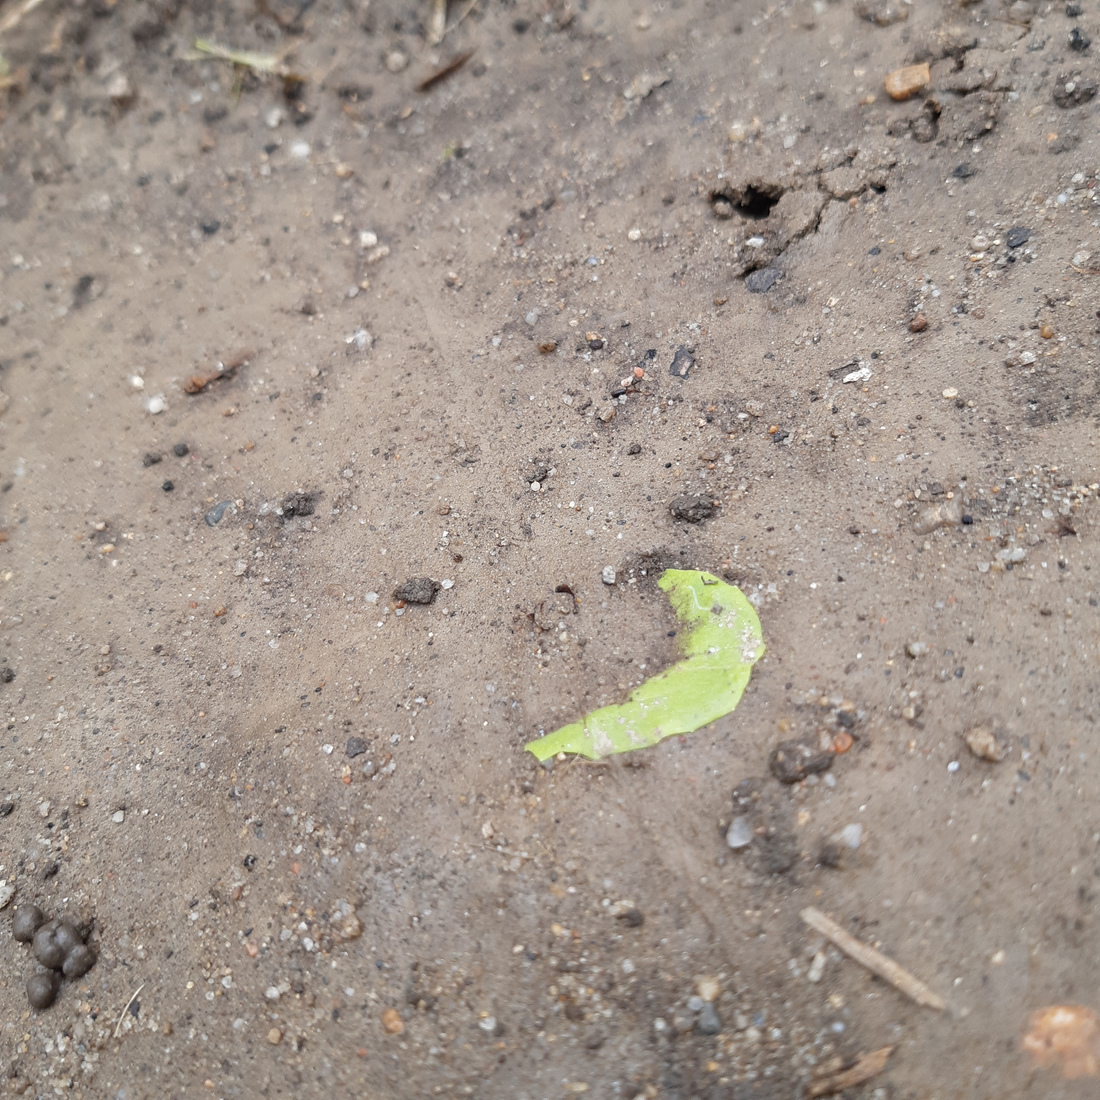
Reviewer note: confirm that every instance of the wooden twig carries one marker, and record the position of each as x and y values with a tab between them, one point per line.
873	960
870	1065
133	997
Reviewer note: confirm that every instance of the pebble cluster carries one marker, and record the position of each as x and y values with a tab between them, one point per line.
59	947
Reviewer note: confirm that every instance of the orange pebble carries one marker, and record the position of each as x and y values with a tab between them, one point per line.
842	742
1046	332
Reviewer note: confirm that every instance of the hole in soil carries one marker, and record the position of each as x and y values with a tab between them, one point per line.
751	200
756	203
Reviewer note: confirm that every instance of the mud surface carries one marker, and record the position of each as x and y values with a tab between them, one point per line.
271	349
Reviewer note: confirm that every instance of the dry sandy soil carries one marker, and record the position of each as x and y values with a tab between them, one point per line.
427	911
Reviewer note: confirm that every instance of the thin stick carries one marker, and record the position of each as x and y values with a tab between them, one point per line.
875	961
133	998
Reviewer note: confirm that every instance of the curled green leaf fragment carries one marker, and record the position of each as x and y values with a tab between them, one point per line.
721	644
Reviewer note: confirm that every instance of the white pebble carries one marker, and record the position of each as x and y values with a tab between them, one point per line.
118	817
299	149
137	381
817	968
851	835
953	767
532	316
273	117
272	993
367	239
447	584
487	1023
739	834
156	404
628	966
608	574
7	892
635	234
326	749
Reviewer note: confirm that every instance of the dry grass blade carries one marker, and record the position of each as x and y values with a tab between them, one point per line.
11	20
122	1014
873	960
437	22
870	1065
257	62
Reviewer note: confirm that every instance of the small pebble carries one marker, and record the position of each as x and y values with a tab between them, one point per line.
762	280
634	234
156	404
118	817
851	836
946	514
275	1036
950	393
985	744
1046	332
709	1022
919	323
691	509
740	832
695	1003
1078	40
1018	236
708	988
792	761
916	649
168	486
392	1022
396	61
7	892
608	575
953	767
907	81
817	968
420	590
531	316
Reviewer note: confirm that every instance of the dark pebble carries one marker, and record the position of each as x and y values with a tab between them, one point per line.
691	509
1073	9
634	449
214	516
1078	40
6	808
779	436
181	449
214	113
964	171
682	362
151	459
1083	89
42	989
168	486
1018	236
709	1022
210	228
50	870
300	504
968	520
792	761
875	251
760	282
845	719
417	590
248	862
830	854
7	675
25	921
356	747
595	1040
632	918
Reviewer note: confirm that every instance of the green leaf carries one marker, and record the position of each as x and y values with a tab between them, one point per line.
722	644
260	62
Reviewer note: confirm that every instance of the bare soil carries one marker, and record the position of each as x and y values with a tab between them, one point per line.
299	817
